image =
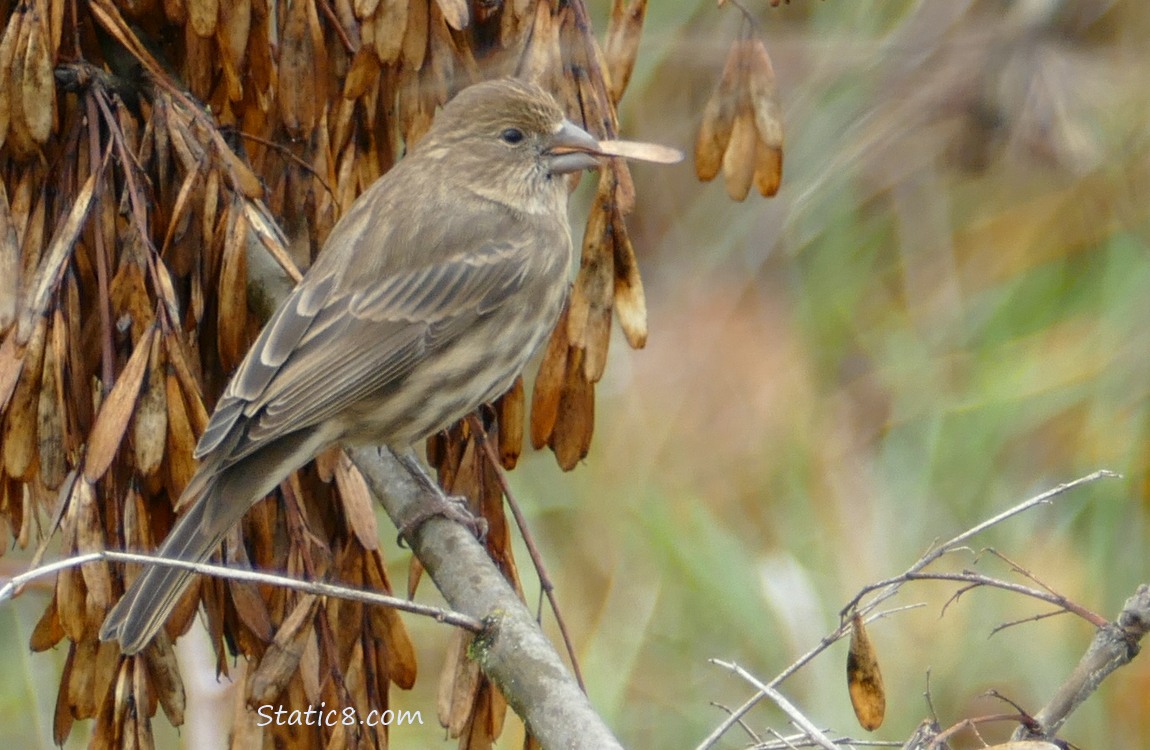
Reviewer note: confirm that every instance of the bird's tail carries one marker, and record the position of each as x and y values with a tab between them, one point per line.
144	608
215	501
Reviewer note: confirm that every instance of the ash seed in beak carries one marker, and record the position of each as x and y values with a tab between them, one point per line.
571	149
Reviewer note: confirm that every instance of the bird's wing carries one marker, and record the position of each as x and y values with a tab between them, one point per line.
323	350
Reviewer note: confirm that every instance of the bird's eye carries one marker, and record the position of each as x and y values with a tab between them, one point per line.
512	136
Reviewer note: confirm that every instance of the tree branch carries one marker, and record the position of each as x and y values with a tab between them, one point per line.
513	651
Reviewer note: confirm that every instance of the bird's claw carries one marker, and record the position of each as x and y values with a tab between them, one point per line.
452	507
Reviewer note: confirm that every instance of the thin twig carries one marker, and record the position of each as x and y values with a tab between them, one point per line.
803	723
320	588
545	583
889	587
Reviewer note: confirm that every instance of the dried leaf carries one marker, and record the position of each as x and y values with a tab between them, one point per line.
622	45
11	363
864	680
112	420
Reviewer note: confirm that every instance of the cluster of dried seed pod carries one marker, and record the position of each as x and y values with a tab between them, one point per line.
138	255
742	129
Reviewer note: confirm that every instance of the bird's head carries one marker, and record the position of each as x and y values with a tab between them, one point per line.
514	134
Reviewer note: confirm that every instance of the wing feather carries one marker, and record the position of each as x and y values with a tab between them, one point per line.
323	351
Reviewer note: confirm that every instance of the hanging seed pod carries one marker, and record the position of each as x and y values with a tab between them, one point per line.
112	419
21	417
549	384
575	420
719	117
630	302
622	47
768	121
864	680
150	419
739	160
38	86
510	409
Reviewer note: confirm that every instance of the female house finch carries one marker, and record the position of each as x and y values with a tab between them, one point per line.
428	298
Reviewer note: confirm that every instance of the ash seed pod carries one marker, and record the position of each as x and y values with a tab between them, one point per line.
864	680
719	116
739	161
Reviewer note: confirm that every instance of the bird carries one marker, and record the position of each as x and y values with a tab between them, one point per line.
428	298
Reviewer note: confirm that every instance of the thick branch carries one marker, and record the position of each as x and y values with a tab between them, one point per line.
514	652
1114	645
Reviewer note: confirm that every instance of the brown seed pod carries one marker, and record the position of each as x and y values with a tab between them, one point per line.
357	502
549	384
38	86
150	418
50	414
281	661
112	419
864	680
203	15
510	408
719	115
739	161
624	30
458	685
575	420
21	417
630	302
233	290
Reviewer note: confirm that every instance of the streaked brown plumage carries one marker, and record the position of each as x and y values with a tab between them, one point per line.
428	298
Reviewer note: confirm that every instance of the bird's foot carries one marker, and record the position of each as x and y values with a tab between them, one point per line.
452	507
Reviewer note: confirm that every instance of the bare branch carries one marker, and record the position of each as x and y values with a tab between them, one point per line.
889	587
1114	645
320	588
817	737
513	652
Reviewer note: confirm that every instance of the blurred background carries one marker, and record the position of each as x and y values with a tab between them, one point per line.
944	311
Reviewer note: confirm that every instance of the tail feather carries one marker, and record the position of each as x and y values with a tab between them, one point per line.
215	501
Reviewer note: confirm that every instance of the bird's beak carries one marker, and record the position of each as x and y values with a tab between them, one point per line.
570	149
